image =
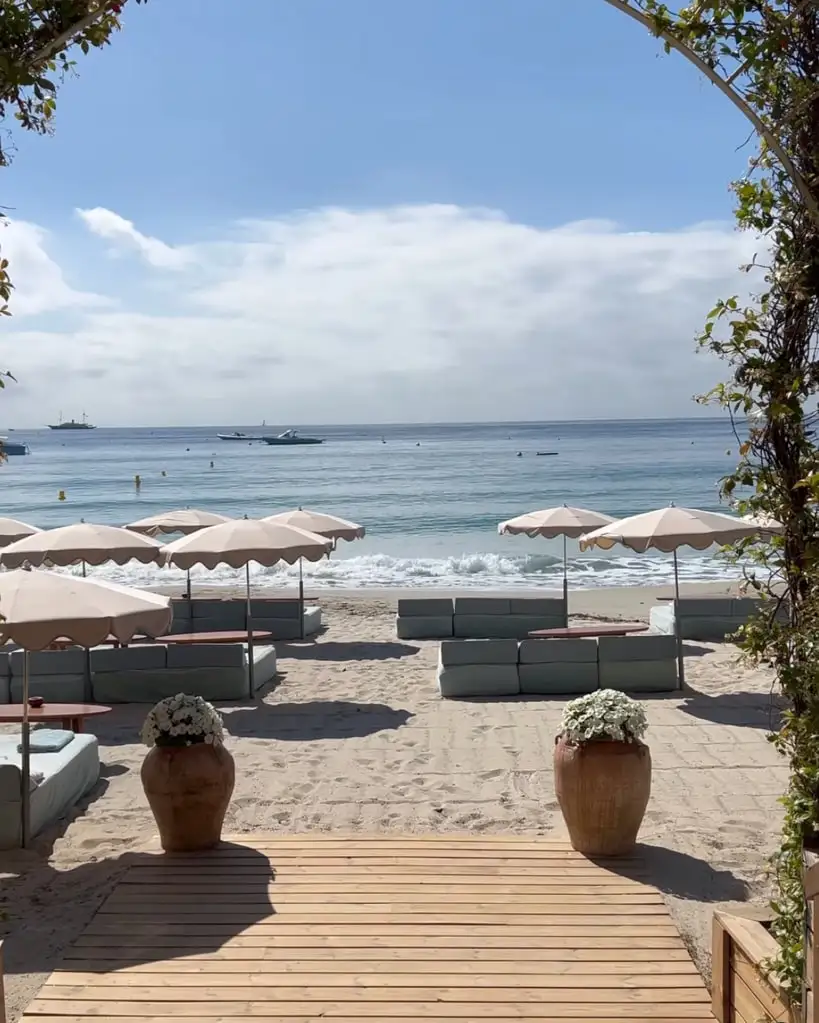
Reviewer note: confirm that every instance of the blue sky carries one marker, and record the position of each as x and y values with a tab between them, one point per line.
204	114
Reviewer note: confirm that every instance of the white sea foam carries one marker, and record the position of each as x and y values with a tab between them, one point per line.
474	571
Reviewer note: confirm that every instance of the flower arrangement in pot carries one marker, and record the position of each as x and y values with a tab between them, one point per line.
603	772
188	775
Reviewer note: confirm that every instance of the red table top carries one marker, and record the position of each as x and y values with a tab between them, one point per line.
13	712
583	631
237	636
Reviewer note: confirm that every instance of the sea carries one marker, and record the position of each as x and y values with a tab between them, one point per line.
430	496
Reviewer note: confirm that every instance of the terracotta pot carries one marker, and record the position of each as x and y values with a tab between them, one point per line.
602	788
188	790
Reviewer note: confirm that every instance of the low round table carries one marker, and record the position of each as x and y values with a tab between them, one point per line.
71	715
589	631
238	636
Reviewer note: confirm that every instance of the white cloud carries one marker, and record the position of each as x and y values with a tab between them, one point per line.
114	228
39	283
408	313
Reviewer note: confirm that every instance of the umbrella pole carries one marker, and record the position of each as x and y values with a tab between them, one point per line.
188	586
250	671
565	582
677	634
83	570
25	804
301	600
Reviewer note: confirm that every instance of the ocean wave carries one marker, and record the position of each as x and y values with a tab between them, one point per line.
484	571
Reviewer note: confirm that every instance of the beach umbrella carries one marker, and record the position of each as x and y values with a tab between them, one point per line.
321	524
181	520
241	541
667	529
553	522
83	542
764	523
39	607
12	530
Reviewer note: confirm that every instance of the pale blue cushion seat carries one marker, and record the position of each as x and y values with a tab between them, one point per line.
554	667
59	676
424	618
481	667
638	663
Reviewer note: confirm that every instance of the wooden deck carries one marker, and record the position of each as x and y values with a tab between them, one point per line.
302	928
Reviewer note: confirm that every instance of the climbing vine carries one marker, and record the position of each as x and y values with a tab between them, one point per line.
768	51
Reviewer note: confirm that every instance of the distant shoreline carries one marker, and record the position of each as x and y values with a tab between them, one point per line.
607	603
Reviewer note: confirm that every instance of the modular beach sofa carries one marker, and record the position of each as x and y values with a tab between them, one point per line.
478	617
557	667
709	619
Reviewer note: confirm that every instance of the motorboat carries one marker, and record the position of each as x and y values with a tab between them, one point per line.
13	447
239	436
72	424
291	437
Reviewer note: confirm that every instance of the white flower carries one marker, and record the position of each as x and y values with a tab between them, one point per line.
181	717
605	714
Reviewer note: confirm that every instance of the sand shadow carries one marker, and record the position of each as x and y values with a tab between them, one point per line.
334	651
143	901
694	650
681	875
318	719
748	710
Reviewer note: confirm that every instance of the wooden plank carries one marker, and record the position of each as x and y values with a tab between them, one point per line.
272	984
681	1014
317	939
750	935
759	987
134	895
475	927
429	845
279	956
720	971
431	908
425	993
548	1010
470	886
748	1006
627	964
175	872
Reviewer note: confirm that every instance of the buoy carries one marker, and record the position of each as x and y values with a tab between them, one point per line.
61	495
211	465
163	473
137	482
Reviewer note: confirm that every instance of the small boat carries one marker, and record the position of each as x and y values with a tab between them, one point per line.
548	452
239	436
291	437
13	447
71	424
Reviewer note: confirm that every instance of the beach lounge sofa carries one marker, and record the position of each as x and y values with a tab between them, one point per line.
424	619
279	617
478	617
710	619
637	664
554	667
480	667
146	673
497	618
67	775
557	667
59	676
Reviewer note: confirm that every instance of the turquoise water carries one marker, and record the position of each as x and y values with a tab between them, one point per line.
430	496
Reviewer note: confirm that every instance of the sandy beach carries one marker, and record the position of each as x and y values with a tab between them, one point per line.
353	738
